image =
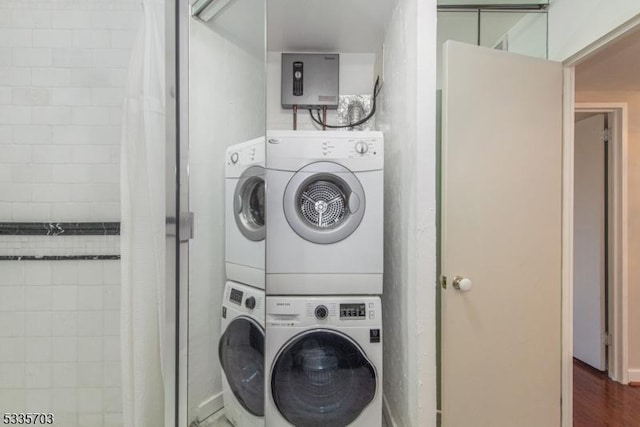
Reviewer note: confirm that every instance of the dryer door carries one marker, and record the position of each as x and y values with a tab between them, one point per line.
249	205
324	202
322	377
241	351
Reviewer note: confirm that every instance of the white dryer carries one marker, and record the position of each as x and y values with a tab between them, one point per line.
241	351
324	361
325	213
245	213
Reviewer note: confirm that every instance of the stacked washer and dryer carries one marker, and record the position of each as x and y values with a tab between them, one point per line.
324	265
241	348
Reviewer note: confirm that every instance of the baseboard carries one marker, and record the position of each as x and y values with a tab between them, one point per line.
387	413
210	406
634	377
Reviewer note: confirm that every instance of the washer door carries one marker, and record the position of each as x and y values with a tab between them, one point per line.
322	378
324	202
241	351
249	204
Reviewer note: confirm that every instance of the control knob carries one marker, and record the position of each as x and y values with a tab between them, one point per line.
361	147
250	303
321	312
234	158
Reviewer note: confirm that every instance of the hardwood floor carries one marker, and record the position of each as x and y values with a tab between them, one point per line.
600	402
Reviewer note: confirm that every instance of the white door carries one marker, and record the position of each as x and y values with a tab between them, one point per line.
501	228
589	243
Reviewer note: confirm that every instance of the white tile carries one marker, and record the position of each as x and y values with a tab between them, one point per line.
30	96
14	115
6	134
38	298
50	115
32	57
115	19
16	37
122	39
111	58
12	375
38	400
38	375
64	324
70	96
64	400
51	154
11	400
90	349
90	323
71	211
12	349
89	154
68	418
111	297
33	134
90	400
32	173
38	349
15	192
52	38
12	273
30	211
5	56
111	323
91	272
15	154
38	324
71	57
111	348
105	174
64	349
98	77
90	374
90	115
12	298
113	420
13	76
65	272
5	95
38	273
70	19
65	375
91	420
91	38
96	192
99	135
64	298
107	96
112	374
106	211
11	324
111	272
112	399
30	18
50	77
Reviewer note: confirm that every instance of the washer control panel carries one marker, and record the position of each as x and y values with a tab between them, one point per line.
353	311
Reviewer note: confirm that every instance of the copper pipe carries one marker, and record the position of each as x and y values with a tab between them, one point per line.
295	117
324	117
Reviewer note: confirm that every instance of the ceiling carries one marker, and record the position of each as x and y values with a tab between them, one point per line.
242	22
327	25
615	68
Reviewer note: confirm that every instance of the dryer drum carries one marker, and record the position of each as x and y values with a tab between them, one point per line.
249	204
323	203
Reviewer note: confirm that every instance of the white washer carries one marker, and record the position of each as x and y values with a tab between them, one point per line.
241	352
245	213
324	361
325	213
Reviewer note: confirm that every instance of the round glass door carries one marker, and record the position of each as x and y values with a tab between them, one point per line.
241	352
249	209
323	378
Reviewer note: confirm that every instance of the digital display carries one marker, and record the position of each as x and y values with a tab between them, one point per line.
236	296
353	311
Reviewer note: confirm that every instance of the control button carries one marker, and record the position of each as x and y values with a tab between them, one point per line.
234	158
250	303
371	305
372	314
361	147
321	312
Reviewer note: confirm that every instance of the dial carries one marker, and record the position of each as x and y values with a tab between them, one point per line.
250	303
361	147
234	158
321	312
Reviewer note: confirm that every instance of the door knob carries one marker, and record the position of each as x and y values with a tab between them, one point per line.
462	284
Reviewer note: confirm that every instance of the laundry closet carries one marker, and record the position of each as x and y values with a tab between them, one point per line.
302	288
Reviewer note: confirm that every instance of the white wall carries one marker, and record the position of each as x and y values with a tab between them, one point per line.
574	24
356	78
227	106
63	67
407	117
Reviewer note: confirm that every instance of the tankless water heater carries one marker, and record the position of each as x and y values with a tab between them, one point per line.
310	80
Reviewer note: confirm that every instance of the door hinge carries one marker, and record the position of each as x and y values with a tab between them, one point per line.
443	282
606	135
606	339
187	220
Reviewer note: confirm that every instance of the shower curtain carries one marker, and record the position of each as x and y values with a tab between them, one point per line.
143	225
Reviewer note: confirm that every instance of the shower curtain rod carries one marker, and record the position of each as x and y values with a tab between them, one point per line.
495	7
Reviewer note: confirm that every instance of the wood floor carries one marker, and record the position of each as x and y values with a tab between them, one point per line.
600	402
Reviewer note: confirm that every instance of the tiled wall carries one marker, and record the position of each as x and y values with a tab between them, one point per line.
63	69
59	340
